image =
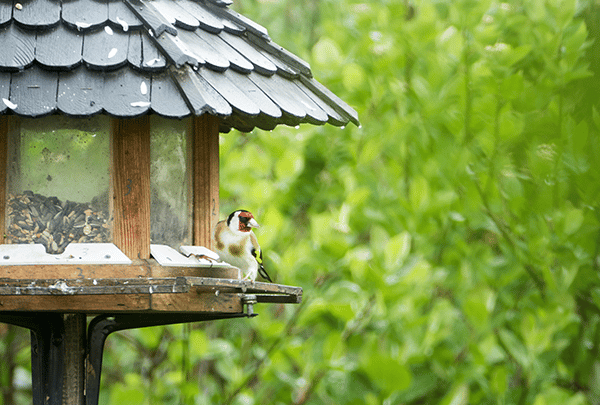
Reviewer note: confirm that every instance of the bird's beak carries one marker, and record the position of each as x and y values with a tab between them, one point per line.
253	224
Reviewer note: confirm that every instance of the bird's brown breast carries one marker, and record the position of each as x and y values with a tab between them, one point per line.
236	249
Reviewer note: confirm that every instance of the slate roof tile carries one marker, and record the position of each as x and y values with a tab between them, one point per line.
173	58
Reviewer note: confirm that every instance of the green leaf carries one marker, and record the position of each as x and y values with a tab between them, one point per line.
388	373
573	220
499	380
458	395
327	52
353	76
397	250
419	193
515	347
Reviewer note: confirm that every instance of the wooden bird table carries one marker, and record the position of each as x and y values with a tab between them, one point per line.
55	301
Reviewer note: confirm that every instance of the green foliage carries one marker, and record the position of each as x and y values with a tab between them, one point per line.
448	249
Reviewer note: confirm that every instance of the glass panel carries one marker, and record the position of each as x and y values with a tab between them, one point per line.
58	182
170	211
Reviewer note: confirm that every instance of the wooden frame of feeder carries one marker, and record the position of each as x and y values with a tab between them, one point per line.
66	353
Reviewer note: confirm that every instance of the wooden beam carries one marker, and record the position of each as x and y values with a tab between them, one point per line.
131	185
4	128
139	269
205	177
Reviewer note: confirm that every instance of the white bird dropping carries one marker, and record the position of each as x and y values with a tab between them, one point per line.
9	104
123	24
112	53
144	88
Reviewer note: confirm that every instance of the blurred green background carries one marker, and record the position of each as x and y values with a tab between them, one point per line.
449	249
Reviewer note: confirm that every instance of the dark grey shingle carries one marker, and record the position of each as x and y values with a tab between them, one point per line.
84	14
59	48
131	57
80	92
37	14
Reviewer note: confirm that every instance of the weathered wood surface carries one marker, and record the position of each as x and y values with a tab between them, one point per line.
59	48
76	38
34	92
4	129
105	51
131	186
80	93
36	14
164	96
200	96
205	178
84	14
172	294
139	269
121	15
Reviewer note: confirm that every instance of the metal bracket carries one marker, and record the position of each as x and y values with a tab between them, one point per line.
103	325
47	353
249	300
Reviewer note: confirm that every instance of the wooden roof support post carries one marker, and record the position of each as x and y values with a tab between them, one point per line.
205	177
131	185
4	127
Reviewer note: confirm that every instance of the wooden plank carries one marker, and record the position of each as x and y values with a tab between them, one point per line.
131	185
314	114
281	54
121	15
254	93
216	272
80	92
234	96
6	10
18	47
238	19
222	3
205	178
76	303
134	50
236	60
59	48
103	51
197	301
270	87
151	18
84	14
261	64
334	118
177	51
204	51
176	14
127	93
74	272
4	130
139	269
207	20
34	92
166	98
4	89
153	59
38	14
331	99
200	96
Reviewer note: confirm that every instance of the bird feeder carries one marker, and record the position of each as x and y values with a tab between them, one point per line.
110	114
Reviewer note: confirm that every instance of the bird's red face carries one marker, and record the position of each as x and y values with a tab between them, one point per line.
247	221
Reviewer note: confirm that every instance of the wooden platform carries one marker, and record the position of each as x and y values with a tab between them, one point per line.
143	286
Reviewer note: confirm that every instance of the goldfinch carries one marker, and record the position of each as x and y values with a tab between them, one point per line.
237	245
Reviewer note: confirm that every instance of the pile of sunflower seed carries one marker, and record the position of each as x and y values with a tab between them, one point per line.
34	218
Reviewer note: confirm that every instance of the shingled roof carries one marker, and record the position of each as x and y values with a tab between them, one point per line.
127	58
